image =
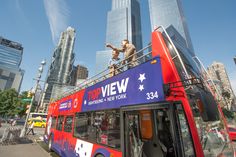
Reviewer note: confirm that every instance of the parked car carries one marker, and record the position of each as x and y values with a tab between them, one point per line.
37	123
232	132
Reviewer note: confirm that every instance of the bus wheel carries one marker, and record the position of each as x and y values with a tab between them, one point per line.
50	144
99	155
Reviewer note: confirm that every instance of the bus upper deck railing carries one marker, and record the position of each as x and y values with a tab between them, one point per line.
121	66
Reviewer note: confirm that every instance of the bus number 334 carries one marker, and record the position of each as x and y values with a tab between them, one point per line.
152	95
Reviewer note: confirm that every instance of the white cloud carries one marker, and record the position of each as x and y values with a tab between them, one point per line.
58	17
20	12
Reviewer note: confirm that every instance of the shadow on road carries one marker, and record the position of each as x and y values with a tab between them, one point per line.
45	147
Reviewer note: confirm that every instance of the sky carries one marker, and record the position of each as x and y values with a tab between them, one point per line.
37	26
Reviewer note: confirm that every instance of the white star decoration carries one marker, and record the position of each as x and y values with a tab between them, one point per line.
141	87
142	77
85	102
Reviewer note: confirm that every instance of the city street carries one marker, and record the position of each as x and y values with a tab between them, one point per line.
38	131
26	149
23	150
133	78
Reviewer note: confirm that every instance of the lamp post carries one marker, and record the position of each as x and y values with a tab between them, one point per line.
40	71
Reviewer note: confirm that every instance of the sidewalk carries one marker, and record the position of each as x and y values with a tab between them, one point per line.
23	150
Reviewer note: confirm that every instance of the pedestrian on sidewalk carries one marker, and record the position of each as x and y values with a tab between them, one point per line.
31	128
13	123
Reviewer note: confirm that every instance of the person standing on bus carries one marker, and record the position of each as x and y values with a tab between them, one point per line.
129	51
114	63
31	128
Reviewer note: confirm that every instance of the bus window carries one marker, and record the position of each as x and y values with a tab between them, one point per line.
133	143
213	134
81	125
60	123
68	124
102	127
165	139
108	128
146	124
159	141
54	120
184	132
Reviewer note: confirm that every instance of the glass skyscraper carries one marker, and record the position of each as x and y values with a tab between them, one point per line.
167	13
59	73
123	22
11	75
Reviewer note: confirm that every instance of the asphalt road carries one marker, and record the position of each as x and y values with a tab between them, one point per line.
39	149
38	131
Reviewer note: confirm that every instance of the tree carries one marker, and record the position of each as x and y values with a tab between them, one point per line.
8	102
24	94
228	114
11	103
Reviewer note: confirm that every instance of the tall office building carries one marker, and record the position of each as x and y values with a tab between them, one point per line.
11	75
218	73
170	12
59	73
123	22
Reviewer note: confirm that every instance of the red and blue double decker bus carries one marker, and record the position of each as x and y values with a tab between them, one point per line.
159	108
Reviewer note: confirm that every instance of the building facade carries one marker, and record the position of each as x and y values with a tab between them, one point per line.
79	73
219	74
82	72
59	73
11	75
170	12
123	22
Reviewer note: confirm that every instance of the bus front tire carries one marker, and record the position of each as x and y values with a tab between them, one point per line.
50	144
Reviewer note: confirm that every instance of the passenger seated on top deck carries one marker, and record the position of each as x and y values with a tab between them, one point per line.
129	51
113	64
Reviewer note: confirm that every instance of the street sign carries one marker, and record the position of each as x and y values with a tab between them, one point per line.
26	100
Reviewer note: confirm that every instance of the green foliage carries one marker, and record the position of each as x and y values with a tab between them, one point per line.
23	94
228	114
11	104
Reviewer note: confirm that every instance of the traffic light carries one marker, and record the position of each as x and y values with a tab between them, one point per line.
30	94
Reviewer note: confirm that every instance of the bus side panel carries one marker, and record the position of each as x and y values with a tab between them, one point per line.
57	141
68	146
107	152
84	148
170	74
